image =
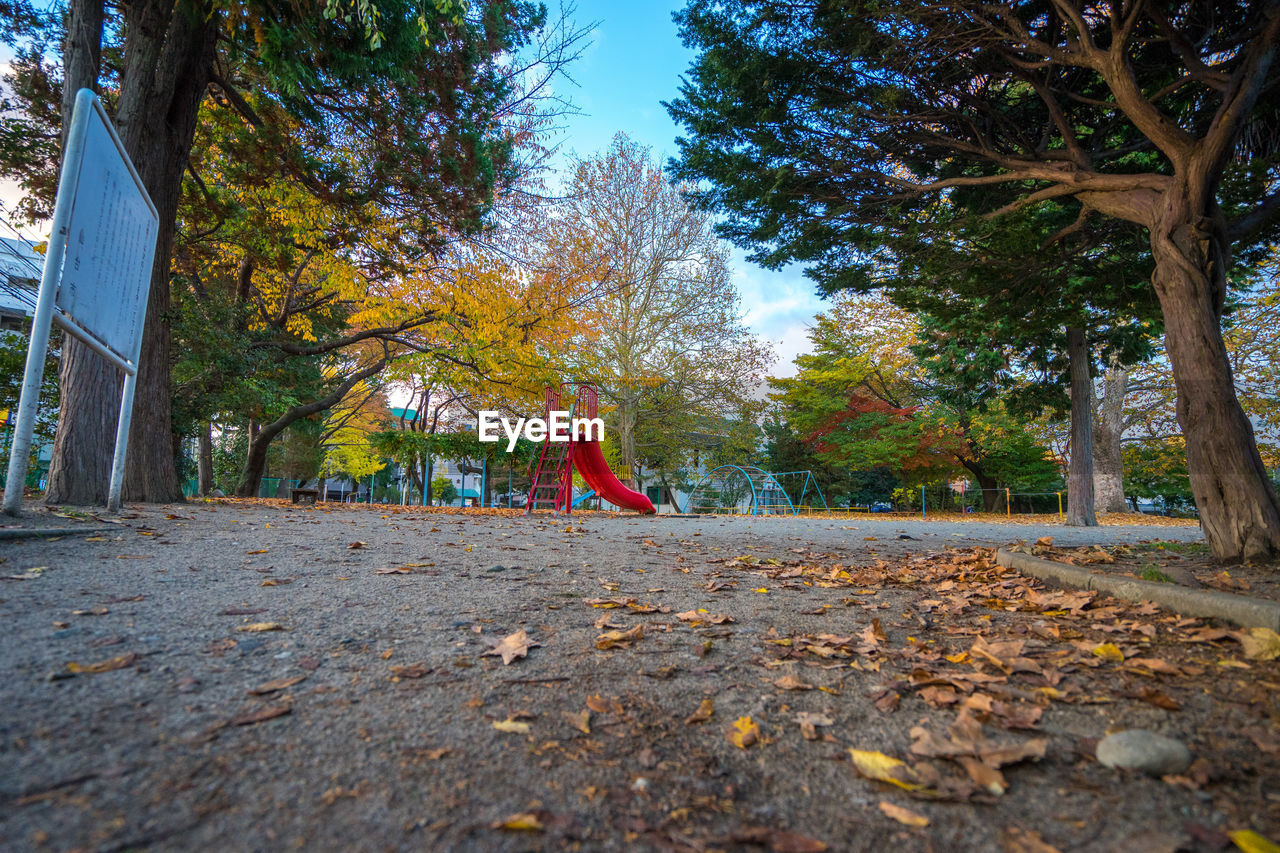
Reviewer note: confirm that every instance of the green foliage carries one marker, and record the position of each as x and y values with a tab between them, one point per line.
443	490
1157	470
13	364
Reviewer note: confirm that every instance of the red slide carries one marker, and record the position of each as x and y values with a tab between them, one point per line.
590	463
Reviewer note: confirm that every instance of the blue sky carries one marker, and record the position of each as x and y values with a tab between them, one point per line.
633	65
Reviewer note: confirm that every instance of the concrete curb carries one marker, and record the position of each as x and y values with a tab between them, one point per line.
1248	612
45	532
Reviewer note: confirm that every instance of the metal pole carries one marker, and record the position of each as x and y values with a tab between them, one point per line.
1008	506
122	441
1060	518
922	507
20	451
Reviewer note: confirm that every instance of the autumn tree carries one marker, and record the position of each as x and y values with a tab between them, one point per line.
668	344
864	401
416	88
822	129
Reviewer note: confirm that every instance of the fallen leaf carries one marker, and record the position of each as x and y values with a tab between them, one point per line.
777	840
512	646
790	682
745	732
394	570
580	720
1261	644
276	684
413	670
119	662
902	815
884	768
809	723
1018	840
986	776
1109	651
520	822
704	712
1160	700
357	545
262	714
512	726
259	627
1251	842
610	639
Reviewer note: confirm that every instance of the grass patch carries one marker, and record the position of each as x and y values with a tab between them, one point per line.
1151	572
1176	547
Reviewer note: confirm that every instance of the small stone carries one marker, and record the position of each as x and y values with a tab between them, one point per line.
1145	751
496	569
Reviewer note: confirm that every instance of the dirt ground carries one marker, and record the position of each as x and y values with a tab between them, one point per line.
255	676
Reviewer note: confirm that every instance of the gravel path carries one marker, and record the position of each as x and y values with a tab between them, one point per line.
297	678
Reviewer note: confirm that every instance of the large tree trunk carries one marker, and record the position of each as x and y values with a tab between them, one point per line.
1238	507
1080	472
204	460
1108	462
169	51
990	496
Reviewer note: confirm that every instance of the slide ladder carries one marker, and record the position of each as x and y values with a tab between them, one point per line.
553	477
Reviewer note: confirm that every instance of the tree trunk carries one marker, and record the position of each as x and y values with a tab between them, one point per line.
260	439
1239	512
169	52
428	468
1108	462
990	496
204	460
627	439
1080	473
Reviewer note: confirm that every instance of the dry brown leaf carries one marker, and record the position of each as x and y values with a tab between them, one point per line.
261	715
809	723
790	682
903	815
512	646
276	684
611	639
580	720
413	670
1260	644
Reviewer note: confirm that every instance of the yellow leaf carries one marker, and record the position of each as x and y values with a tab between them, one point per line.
1261	644
704	712
1109	651
1251	842
883	768
903	816
260	627
745	732
761	590
514	727
522	822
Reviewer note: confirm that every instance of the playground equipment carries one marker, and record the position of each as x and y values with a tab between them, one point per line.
748	490
553	478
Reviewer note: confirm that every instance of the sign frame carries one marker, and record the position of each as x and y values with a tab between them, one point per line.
87	109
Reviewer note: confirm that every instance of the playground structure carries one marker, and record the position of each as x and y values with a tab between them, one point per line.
553	478
748	490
